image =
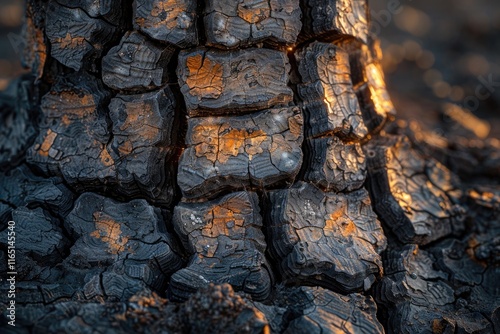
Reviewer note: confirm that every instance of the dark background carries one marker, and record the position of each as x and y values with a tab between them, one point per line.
435	52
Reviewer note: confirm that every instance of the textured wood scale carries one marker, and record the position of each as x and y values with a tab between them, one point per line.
182	166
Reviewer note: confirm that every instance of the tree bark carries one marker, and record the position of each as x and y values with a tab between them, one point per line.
232	166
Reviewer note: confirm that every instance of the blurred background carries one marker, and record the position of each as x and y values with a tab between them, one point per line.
441	59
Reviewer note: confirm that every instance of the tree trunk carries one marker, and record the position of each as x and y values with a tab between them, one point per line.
231	166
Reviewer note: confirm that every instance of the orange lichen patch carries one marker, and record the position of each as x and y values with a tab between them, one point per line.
338	224
109	231
37	48
106	159
125	148
138	116
74	105
69	42
295	125
65	120
152	300
224	221
172	10
227	143
254	11
205	77
47	143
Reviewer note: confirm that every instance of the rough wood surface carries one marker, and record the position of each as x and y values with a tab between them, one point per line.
331	18
74	132
230	82
20	187
77	40
317	310
136	64
413	195
17	124
125	154
333	165
172	21
123	246
109	10
142	143
250	151
327	239
230	24
330	104
421	298
226	245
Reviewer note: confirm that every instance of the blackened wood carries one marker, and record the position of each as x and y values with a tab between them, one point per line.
330	104
77	40
123	246
20	187
110	10
250	151
35	51
230	24
136	64
317	310
74	132
172	21
411	193
231	82
226	244
334	165
331	18
420	298
327	239
17	121
142	143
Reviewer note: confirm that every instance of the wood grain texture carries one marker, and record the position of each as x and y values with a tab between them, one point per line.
330	104
414	194
333	165
123	246
125	154
317	310
17	121
326	239
136	64
226	245
230	24
77	40
422	299
108	10
142	143
231	82
251	151
331	18
172	21
20	187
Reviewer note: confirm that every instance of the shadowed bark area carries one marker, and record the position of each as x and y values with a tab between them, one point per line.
232	167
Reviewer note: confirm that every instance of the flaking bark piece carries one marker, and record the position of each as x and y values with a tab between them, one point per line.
419	297
331	18
327	239
76	39
250	151
330	103
142	143
35	52
109	10
226	245
316	310
124	247
231	82
20	187
136	64
334	165
230	23
172	21
412	195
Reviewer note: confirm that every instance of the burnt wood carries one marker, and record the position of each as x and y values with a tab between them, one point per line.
251	151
